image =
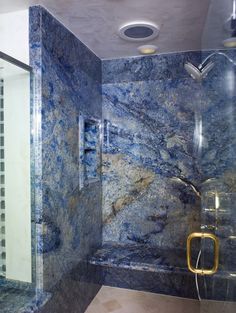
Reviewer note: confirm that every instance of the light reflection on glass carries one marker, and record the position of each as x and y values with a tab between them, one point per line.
217	201
198	133
230	82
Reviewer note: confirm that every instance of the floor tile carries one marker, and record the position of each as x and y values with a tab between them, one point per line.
118	300
112	305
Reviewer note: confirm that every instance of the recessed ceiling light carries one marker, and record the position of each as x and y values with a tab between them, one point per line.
147	49
230	42
139	31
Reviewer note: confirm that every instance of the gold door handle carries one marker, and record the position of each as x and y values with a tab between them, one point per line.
214	269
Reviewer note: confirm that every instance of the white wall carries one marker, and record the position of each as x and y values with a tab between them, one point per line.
14	35
14	41
17	173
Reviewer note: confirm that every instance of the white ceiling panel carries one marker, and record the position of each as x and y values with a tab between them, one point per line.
96	22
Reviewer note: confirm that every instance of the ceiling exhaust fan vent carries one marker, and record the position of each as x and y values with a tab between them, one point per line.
139	31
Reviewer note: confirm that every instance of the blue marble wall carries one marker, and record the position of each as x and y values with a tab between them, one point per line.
169	148
152	165
154	162
150	173
67	78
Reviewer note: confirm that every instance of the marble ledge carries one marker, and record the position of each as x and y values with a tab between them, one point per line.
140	257
15	300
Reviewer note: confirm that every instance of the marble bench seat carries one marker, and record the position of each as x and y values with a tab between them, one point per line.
152	269
140	257
145	268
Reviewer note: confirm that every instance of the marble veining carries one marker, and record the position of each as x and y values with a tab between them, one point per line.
160	175
67	81
21	297
153	164
142	267
157	67
140	257
153	167
149	165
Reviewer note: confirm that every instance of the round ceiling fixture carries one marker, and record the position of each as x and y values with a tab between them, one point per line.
229	42
230	26
139	31
147	49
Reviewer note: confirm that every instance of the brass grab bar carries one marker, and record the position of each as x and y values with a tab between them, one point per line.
214	269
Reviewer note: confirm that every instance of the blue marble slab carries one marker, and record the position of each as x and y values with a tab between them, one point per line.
140	257
169	144
220	288
18	297
75	291
152	166
145	268
151	176
147	68
67	82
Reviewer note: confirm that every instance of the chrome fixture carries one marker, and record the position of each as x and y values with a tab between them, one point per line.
198	73
201	71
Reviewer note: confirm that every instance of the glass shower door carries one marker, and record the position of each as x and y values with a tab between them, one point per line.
215	156
219	289
216	162
217	165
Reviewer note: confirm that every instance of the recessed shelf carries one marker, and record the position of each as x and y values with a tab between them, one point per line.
89	150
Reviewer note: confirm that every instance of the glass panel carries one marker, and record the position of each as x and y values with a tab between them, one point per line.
217	164
216	157
15	188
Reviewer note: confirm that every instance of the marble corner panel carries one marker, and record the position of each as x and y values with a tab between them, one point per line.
165	135
67	79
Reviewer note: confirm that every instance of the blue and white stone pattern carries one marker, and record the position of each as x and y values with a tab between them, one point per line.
153	165
155	162
149	167
67	84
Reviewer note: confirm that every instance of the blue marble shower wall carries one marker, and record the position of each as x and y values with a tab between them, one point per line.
155	161
168	149
150	171
67	82
147	198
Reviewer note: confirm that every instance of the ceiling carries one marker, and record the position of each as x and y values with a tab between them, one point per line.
184	24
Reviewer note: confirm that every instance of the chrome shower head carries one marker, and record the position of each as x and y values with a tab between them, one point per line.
200	72
193	71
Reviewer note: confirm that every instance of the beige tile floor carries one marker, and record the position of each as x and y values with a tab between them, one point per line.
117	300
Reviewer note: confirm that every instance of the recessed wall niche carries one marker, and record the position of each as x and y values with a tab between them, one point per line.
89	150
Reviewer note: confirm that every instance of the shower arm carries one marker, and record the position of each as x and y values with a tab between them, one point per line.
217	53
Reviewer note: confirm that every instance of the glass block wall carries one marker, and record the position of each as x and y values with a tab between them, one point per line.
2	186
